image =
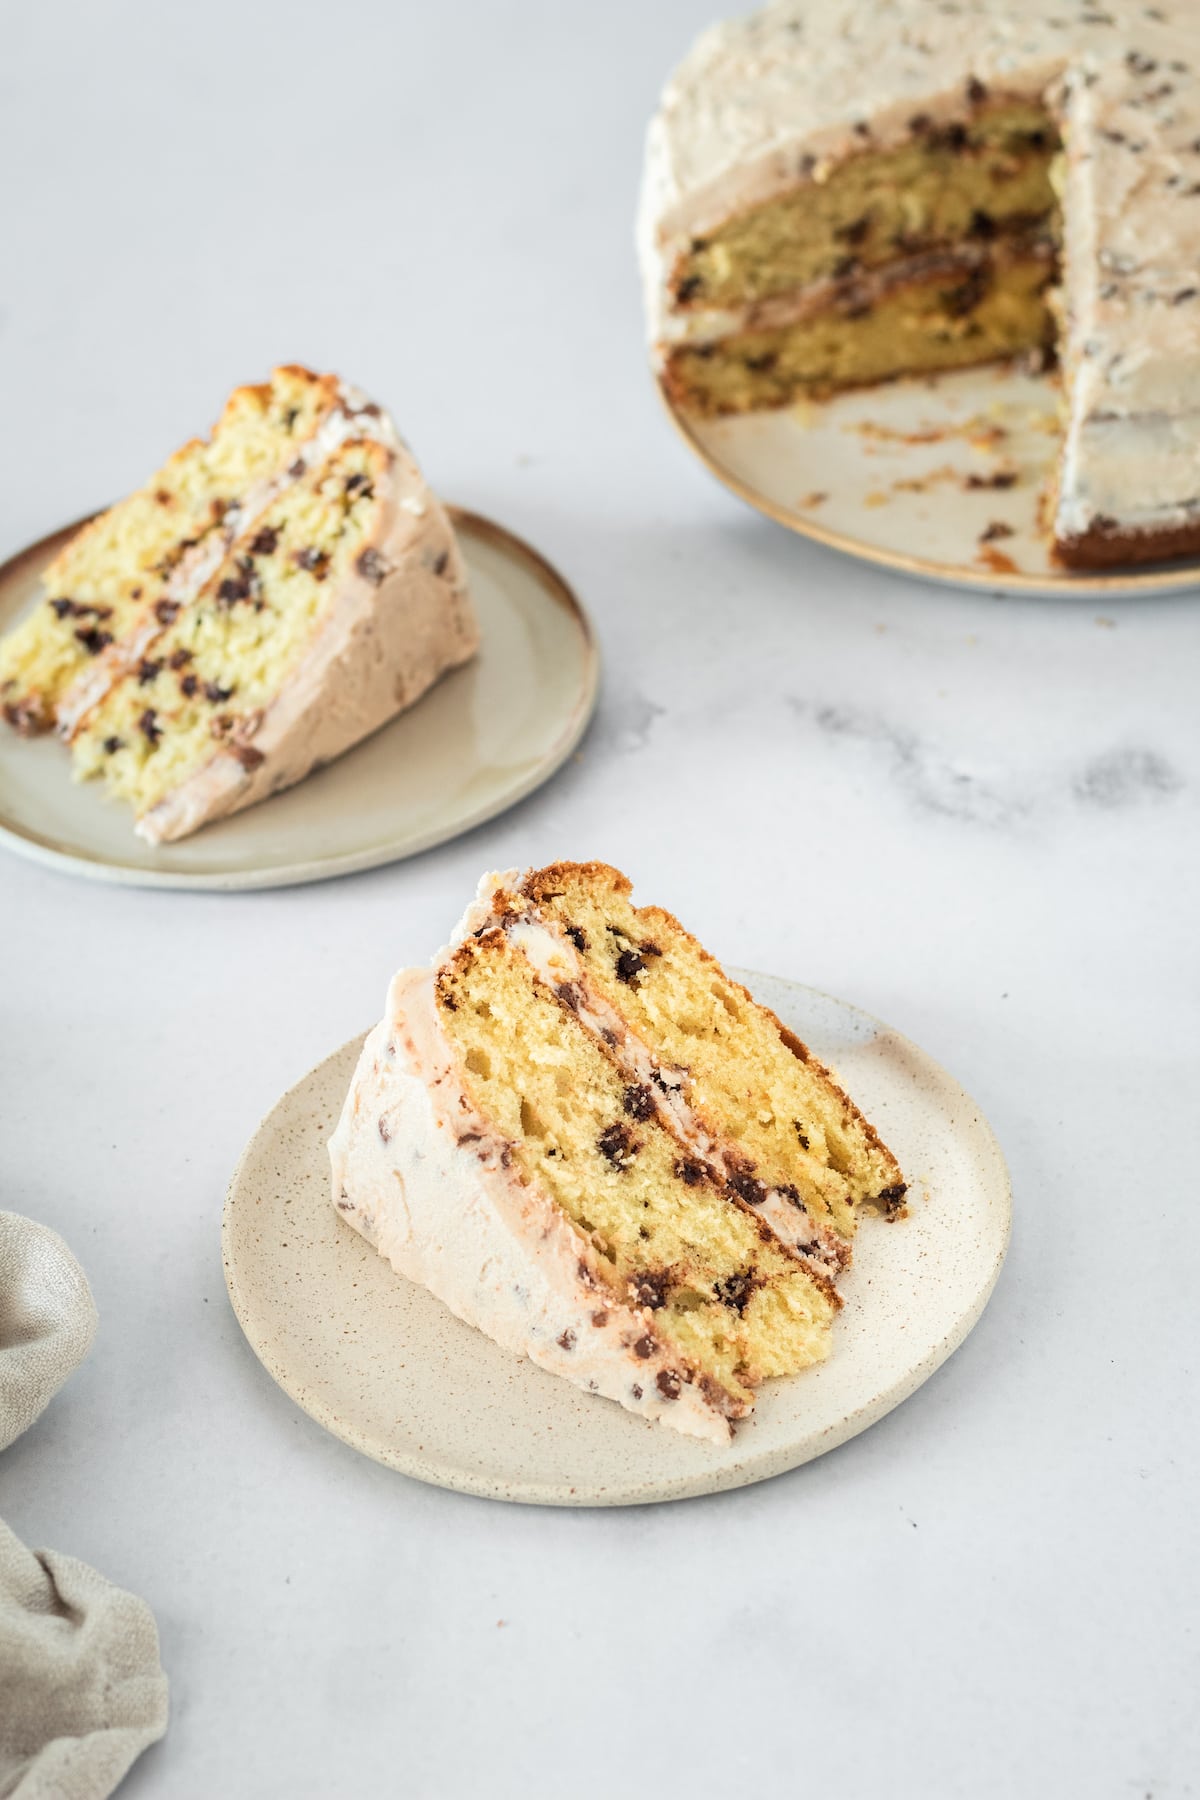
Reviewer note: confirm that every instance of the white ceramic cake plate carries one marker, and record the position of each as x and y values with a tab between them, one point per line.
915	475
478	742
385	1366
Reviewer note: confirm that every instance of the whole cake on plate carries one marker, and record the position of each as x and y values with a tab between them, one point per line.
271	596
846	190
593	1145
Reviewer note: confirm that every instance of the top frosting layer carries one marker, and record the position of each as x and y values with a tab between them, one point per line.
763	102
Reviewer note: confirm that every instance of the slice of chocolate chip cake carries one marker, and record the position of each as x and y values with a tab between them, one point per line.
274	594
593	1145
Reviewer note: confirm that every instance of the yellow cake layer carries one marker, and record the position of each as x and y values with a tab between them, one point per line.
729	1299
748	1080
112	573
228	653
938	321
983	176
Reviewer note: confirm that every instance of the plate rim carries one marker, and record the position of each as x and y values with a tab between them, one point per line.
353	862
744	1473
1080	585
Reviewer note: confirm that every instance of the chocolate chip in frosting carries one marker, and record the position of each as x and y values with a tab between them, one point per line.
746	1188
644	1347
372	566
668	1384
566	1339
247	755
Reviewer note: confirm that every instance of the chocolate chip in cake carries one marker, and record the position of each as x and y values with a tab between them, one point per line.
314	560
63	609
577	937
215	694
644	1347
166	611
638	1102
746	1188
162	496
188	684
372	566
801	1134
668	1384
179	659
93	639
689	1171
965	297
111	745
570	994
148	670
149	726
357	480
762	365
297	469
735	1290
982	224
1139	63
566	1339
264	542
629	966
688	289
1187	293
854	232
440	562
233	589
976	91
996	529
650	1289
618	1144
649	948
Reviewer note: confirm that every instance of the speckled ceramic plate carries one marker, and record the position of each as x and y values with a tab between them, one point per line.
938	477
478	742
385	1366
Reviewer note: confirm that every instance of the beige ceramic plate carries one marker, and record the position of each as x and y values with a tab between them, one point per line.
382	1364
915	475
482	739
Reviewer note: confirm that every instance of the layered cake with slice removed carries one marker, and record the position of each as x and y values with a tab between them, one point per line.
273	595
837	192
594	1146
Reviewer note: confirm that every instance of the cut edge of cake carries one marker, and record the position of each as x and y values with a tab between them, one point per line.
422	1169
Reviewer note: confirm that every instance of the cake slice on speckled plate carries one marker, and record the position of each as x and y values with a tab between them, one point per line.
589	1142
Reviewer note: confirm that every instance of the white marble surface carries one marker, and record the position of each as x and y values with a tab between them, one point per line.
975	817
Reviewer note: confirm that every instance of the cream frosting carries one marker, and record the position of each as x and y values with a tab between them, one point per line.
432	1186
763	102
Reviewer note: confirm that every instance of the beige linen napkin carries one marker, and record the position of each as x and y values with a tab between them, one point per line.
82	1692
